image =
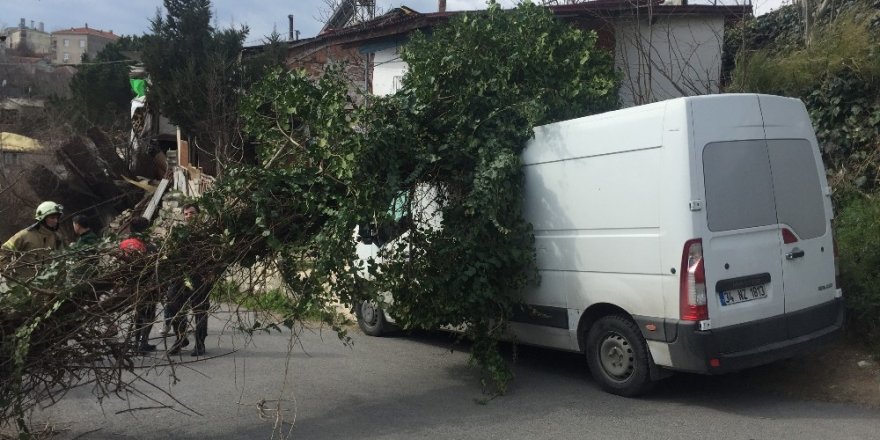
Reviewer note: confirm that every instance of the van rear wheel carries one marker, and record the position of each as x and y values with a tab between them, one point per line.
371	318
618	356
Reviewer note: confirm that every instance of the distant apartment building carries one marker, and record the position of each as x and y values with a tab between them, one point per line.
29	40
69	45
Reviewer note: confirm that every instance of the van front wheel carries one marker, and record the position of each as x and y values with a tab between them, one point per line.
371	318
618	356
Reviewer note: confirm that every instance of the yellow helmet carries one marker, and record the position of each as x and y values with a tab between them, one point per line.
46	209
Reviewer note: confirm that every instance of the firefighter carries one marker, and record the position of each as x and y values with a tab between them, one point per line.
32	245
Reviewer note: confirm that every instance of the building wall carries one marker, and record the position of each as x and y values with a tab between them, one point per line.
676	56
39	42
352	61
673	57
69	48
77	45
388	71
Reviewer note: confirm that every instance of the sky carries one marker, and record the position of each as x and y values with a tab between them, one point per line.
132	17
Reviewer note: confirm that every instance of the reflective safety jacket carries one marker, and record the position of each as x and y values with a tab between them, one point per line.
31	245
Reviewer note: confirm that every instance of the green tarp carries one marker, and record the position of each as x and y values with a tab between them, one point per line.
139	87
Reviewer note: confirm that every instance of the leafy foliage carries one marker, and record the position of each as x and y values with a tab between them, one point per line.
100	88
195	76
458	126
271	55
858	235
451	135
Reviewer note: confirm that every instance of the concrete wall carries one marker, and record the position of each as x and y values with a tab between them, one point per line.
388	71
675	56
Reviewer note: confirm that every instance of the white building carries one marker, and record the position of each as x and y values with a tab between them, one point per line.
662	50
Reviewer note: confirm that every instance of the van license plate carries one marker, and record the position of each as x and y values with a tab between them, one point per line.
744	294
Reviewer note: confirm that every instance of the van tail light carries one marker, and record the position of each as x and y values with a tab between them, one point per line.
693	282
788	237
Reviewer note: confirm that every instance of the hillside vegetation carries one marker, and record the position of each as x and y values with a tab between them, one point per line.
835	69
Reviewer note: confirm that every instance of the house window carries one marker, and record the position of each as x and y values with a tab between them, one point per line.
397	84
66	42
66	57
82	44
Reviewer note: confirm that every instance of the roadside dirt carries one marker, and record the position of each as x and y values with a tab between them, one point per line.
841	373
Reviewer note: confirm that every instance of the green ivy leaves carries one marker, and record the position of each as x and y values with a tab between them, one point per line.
448	142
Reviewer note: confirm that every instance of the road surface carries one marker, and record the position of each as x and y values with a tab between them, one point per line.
413	386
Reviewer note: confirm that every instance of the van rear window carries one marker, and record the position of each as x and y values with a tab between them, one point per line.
739	185
799	200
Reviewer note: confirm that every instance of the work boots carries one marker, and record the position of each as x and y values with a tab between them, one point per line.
199	350
181	342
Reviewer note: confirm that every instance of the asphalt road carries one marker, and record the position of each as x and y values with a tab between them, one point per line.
413	386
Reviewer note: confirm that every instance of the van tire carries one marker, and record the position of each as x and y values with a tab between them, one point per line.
618	357
371	318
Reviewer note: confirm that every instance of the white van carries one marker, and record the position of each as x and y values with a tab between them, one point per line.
692	234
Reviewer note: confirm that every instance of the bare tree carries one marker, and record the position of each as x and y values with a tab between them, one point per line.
664	56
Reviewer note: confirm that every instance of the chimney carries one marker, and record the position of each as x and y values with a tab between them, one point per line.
42	29
87	25
290	27
441	5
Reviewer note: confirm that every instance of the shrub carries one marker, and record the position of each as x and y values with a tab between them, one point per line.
858	237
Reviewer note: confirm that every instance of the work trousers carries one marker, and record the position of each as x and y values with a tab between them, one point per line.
182	300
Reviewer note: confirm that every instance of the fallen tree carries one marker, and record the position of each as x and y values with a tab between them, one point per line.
327	165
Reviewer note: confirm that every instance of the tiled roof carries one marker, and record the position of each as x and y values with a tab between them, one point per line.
87	31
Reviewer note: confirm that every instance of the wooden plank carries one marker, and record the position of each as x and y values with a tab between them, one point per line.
157	197
183	153
142	184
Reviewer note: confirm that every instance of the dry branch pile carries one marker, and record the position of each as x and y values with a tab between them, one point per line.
72	324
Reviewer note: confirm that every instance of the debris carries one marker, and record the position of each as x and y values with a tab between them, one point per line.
865	364
157	197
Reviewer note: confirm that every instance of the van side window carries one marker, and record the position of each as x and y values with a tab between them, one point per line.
739	187
799	200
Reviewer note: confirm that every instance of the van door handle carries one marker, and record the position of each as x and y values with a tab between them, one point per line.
795	253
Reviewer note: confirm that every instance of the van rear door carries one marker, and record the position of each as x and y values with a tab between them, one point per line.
803	207
742	242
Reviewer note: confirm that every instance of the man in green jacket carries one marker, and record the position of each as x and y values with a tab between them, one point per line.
85	235
31	246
